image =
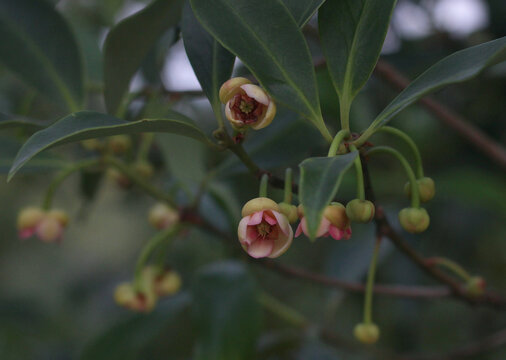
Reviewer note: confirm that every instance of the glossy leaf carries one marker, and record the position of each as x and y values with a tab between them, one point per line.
129	42
212	63
303	10
127	339
352	34
87	124
38	45
320	178
460	66
11	121
271	45
226	313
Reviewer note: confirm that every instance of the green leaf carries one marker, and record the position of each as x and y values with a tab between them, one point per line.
352	34
127	339
320	178
129	42
265	36
212	63
226	313
460	66
37	44
87	124
12	121
303	10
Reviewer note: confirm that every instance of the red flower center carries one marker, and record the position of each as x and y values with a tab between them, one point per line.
247	109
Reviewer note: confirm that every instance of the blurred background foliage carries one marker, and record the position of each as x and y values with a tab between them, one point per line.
56	301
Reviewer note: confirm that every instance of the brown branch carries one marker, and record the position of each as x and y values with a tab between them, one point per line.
471	133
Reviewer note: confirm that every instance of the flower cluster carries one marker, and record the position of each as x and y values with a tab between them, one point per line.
48	226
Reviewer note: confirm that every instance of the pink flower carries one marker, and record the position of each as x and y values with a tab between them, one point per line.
47	226
334	223
264	231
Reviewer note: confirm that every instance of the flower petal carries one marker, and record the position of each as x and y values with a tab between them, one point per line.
256	218
282	243
256	92
26	233
243	228
271	220
260	248
299	229
335	232
322	229
283	222
251	234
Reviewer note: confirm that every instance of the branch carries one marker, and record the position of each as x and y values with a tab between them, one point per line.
471	133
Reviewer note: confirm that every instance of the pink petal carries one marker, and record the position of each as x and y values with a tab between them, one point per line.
269	219
26	233
347	233
256	218
299	229
283	222
251	234
242	229
260	248
323	229
335	232
282	243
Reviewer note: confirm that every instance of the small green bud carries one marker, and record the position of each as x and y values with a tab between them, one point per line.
360	211
426	188
144	169
290	211
366	333
476	286
414	220
119	144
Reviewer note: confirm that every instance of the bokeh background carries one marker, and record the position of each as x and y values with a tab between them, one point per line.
56	301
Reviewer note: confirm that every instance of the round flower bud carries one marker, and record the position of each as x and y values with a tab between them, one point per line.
414	220
49	229
27	221
167	283
144	169
290	211
250	106
259	204
119	144
426	189
119	178
360	211
161	216
336	214
126	296
92	144
366	333
60	216
476	286
231	87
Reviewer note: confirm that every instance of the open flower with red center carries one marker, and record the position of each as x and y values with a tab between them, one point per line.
264	231
246	104
334	223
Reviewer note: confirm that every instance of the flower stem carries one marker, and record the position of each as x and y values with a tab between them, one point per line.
402	135
148	249
452	266
344	109
139	181
263	185
146	142
415	196
282	310
338	139
48	199
288	186
370	283
360	175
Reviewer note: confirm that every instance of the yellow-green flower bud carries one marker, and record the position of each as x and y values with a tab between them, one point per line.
290	211
476	286
414	220
426	189
144	169
161	216
119	144
336	214
360	211
366	333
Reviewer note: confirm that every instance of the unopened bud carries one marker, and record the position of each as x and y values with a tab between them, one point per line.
414	220
167	283
161	216
49	230
119	144
476	286
289	210
366	333
144	169
126	296
360	211
426	189
28	219
336	214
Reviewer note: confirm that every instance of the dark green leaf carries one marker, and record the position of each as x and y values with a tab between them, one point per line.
129	42
38	45
458	67
10	121
320	178
87	124
352	34
212	63
227	314
303	10
126	340
264	35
